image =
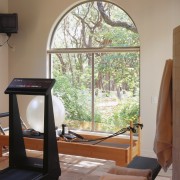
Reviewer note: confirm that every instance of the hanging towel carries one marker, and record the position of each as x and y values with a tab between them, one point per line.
163	136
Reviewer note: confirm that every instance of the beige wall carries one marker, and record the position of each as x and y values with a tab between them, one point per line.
3	63
155	21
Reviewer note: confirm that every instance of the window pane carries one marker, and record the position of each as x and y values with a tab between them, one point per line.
115	91
73	86
100	90
95	24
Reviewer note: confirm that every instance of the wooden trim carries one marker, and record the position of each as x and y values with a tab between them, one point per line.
139	138
131	141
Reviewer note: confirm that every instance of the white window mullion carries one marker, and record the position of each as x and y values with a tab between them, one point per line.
93	50
93	120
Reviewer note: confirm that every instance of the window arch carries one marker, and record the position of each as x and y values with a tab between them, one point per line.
94	55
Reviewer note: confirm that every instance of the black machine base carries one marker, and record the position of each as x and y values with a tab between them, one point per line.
21	174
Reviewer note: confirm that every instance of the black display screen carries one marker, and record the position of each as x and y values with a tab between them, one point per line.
30	86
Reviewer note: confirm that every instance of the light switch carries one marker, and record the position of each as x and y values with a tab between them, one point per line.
154	99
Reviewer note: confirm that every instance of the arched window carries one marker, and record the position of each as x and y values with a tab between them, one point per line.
94	55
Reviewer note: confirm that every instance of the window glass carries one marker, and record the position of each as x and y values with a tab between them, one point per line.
95	60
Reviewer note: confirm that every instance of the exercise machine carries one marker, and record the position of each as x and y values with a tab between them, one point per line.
22	167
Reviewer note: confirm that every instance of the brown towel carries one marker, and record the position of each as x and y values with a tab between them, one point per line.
163	137
131	171
108	176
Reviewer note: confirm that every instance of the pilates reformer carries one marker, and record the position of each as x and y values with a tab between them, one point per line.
138	162
119	149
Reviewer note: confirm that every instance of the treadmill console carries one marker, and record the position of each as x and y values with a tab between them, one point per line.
30	86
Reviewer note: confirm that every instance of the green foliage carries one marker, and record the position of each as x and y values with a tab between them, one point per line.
76	103
126	111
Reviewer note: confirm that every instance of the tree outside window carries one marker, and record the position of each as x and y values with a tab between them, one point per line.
95	60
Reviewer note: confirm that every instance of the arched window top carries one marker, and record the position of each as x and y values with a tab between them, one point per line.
95	24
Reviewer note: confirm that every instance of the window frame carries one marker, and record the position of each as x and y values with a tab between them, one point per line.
52	51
